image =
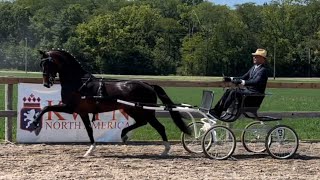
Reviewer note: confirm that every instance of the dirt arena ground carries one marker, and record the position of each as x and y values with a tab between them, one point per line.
143	162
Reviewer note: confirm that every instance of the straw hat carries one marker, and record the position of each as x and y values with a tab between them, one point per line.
260	52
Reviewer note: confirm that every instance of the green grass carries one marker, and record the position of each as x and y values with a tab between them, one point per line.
280	100
13	73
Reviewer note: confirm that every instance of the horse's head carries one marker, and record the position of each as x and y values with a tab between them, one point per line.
49	65
60	62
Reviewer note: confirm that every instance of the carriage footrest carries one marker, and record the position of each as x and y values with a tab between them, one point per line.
268	118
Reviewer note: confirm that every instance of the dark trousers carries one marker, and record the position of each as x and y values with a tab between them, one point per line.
230	96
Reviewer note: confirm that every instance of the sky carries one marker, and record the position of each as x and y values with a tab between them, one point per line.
231	3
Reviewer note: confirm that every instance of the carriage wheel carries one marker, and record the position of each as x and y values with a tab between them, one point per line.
218	142
282	142
254	135
192	143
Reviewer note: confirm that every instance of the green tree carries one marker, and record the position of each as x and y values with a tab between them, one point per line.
67	22
122	41
218	42
14	22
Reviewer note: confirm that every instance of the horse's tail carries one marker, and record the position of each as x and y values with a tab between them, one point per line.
176	116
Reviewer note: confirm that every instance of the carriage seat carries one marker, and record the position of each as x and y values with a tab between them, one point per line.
250	105
249	102
252	102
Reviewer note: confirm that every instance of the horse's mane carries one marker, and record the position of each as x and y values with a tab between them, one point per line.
71	63
71	58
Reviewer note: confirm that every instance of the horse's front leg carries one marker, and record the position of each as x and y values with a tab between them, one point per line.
55	108
87	124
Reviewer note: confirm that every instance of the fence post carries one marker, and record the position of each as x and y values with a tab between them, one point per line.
8	106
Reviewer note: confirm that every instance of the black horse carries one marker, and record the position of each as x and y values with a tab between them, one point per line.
101	95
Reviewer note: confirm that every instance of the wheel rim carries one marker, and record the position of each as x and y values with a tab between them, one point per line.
254	136
282	142
218	143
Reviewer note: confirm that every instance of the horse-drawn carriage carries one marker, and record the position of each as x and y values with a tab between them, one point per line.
82	93
218	141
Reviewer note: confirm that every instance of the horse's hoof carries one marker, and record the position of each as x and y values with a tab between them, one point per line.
37	130
166	149
90	150
125	139
164	154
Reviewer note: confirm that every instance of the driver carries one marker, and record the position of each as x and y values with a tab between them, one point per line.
254	82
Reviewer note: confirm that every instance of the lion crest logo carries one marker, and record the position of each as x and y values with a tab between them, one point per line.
30	110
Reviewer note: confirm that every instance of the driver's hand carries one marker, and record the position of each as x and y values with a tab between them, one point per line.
236	81
226	79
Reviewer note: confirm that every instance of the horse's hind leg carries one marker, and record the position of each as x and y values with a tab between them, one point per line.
124	132
139	117
154	122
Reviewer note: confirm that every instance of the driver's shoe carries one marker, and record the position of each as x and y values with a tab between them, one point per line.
216	114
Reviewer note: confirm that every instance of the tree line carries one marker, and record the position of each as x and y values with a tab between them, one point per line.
163	37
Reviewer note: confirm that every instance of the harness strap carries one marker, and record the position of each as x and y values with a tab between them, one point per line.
85	83
101	93
100	90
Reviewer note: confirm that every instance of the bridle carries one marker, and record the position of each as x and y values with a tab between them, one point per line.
50	76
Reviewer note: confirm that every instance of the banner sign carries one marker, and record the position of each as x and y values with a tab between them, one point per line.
62	127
